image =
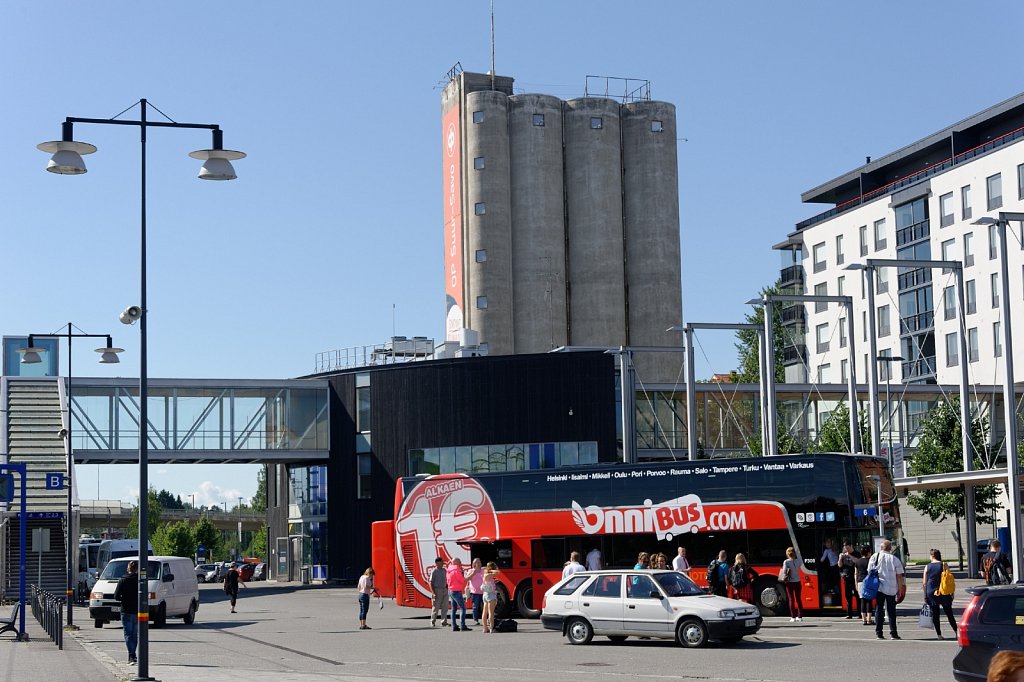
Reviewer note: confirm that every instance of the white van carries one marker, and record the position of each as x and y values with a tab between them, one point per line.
173	590
115	549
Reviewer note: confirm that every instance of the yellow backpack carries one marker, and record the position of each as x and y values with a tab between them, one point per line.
947	583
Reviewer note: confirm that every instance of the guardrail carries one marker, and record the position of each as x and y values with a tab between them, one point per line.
48	609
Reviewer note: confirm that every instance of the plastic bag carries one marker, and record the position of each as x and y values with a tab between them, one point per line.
924	619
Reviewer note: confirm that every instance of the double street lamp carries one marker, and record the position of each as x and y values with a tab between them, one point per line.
29	356
67	160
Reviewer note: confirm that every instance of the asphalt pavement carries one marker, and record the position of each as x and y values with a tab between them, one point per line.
287	633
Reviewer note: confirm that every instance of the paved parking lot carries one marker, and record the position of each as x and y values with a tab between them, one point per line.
310	633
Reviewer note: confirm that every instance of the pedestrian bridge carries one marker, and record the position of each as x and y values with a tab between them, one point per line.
211	421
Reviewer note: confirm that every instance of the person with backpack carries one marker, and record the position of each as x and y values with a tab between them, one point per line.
741	580
889	571
718	573
995	565
939	586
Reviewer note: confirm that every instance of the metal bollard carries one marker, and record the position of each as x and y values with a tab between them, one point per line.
48	610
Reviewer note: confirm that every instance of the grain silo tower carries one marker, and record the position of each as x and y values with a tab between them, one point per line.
561	221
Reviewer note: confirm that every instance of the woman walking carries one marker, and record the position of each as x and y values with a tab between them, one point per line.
232	579
365	589
790	577
931	581
741	580
860	571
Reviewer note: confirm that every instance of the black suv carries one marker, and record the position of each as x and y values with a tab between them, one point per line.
993	621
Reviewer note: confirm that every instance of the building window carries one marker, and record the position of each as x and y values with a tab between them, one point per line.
947	249
481	302
884	365
819	256
596	123
863	240
820	290
949	303
844	368
995	289
883	321
994	186
972	344
997	339
952	345
842	333
657	127
880	242
363	466
840	258
946	209
481	255
478	163
971	294
864	325
993	242
882	280
363	402
968	249
480	208
538	120
965	201
478	117
1020	181
841	285
821	335
824	373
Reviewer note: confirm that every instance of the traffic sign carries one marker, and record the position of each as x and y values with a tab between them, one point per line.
54	481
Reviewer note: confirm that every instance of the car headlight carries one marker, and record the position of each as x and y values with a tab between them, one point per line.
727	613
96	595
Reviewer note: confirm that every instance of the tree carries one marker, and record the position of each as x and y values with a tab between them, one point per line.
940	451
204	533
153	517
259	500
258	545
174	539
747	340
169	501
835	434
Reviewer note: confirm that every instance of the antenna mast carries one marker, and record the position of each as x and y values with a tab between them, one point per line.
492	44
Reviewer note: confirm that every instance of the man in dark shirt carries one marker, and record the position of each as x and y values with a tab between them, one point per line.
127	592
995	565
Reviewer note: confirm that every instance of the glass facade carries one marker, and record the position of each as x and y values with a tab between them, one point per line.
467	459
307	512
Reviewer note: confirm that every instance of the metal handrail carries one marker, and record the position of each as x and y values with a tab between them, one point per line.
48	609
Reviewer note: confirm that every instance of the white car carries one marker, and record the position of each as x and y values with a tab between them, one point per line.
173	591
654	604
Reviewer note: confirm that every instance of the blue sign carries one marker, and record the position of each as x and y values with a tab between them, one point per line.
830	516
201	549
867	511
6	487
44	515
54	481
821	516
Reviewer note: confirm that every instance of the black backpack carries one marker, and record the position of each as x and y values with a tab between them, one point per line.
738	576
713	572
506	625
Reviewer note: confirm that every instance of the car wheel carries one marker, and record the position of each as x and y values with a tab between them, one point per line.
578	631
160	617
202	578
524	600
769	597
503	605
618	639
190	617
98	623
692	633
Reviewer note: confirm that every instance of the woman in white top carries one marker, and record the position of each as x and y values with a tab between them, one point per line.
790	577
365	589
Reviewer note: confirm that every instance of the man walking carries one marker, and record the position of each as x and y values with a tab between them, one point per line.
680	563
890	584
438	593
574	565
594	560
127	593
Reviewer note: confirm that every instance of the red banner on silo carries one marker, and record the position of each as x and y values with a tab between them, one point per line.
452	153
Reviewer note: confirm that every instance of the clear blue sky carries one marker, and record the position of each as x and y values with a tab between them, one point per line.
335	220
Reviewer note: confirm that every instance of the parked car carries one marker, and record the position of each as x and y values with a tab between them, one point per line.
245	571
992	621
173	590
206	573
655	604
261	572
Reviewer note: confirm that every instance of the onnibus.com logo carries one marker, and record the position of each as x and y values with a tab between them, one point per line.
667	519
438	515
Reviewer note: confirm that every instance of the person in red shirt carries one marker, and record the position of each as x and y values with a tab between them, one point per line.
456	584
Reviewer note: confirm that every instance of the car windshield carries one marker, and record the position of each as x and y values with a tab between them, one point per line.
116	570
677	584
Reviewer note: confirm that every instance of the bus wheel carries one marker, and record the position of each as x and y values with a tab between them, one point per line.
503	607
524	598
769	598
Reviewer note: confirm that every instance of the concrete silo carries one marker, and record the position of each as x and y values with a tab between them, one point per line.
538	219
488	254
650	177
593	197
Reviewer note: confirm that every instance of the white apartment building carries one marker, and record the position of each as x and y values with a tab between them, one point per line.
919	202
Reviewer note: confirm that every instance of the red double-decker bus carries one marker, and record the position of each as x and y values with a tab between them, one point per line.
528	522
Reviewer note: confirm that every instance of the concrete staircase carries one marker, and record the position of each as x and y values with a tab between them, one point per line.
34	420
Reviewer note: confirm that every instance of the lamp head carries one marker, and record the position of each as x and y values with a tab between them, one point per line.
30	355
108	355
217	163
985	220
67	156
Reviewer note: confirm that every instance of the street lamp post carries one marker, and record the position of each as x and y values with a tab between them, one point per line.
1002	224
67	160
888	360
30	355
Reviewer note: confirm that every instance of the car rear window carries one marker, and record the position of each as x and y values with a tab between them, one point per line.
1003	610
572	584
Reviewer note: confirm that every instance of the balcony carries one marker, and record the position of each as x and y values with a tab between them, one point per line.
920	368
916	323
914	278
792	276
912	233
793	355
794	315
